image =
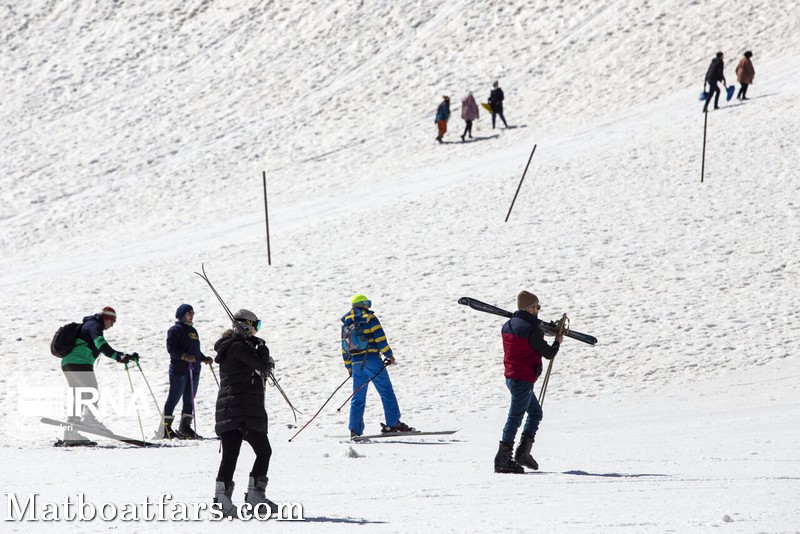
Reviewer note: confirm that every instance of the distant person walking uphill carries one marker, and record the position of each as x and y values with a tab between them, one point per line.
442	116
714	75
469	112
745	72
496	98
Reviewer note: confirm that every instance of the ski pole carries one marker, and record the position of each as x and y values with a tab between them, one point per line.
385	364
160	414
213	374
321	407
244	335
191	390
562	326
141	428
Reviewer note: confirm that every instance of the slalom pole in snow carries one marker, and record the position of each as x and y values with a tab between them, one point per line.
141	428
320	408
520	184
705	129
562	327
385	365
266	216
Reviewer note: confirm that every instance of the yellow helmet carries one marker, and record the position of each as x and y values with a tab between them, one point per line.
360	301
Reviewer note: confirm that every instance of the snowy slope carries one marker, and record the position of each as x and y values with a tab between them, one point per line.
133	139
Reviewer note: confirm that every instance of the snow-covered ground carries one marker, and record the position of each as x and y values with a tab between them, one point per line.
133	136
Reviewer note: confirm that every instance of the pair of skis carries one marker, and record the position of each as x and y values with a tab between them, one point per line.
96	432
549	328
413	433
271	376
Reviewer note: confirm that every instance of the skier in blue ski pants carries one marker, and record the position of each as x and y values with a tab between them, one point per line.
372	366
367	364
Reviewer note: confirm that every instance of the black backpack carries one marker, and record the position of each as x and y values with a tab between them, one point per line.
64	339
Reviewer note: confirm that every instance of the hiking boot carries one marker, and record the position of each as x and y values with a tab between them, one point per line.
399	427
185	430
523	453
257	494
503	463
353	435
222	495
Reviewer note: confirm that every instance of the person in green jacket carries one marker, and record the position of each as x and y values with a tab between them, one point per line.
78	368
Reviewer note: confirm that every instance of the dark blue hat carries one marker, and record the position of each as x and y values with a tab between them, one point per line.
183	309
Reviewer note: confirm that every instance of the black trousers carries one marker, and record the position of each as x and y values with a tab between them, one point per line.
743	91
467	129
713	90
232	444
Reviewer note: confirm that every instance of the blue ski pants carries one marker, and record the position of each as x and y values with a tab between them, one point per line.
372	366
181	386
522	401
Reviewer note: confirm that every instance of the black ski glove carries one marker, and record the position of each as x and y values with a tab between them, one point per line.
127	358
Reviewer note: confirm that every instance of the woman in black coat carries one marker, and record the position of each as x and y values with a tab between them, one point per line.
244	364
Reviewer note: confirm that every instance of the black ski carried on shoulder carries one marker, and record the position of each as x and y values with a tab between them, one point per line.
549	328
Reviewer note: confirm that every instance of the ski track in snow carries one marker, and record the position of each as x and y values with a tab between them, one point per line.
133	139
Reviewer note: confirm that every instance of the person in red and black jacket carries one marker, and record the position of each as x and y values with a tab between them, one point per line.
523	347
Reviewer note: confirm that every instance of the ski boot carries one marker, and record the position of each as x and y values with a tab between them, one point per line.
257	494
72	438
503	463
222	495
88	419
399	427
185	429
523	453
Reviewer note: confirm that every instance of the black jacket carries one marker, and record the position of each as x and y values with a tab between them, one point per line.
240	402
715	71
496	98
182	339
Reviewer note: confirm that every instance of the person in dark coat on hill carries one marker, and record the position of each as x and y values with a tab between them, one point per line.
244	365
185	359
523	347
78	368
442	116
745	72
496	98
714	75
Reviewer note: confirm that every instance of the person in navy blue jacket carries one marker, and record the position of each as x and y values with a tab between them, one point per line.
523	349
183	345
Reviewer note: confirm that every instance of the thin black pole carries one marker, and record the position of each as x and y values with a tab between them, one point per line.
705	128
266	217
520	184
321	407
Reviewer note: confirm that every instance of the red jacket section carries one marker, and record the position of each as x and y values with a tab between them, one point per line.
524	347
